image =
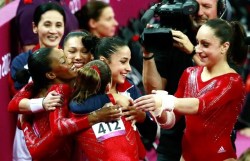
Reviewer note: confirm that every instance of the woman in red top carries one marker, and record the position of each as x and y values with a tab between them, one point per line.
78	55
210	96
100	141
50	71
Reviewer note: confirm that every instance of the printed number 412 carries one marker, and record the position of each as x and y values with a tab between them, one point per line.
108	127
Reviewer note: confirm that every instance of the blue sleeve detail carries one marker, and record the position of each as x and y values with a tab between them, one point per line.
91	104
18	64
134	91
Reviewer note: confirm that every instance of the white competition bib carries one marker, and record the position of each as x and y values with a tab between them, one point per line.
105	130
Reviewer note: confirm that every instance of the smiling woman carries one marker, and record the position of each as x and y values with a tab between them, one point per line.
48	24
50	28
204	94
50	71
60	122
76	52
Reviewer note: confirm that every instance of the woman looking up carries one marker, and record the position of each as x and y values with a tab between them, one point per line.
50	71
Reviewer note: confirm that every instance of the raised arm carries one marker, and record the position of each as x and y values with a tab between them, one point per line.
89	105
40	147
183	43
64	124
60	122
151	77
15	105
22	102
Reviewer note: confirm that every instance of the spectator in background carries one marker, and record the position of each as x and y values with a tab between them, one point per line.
24	18
49	26
98	18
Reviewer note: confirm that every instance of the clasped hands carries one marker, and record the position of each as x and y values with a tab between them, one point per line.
156	103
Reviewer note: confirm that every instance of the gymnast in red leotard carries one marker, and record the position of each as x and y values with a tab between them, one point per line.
65	126
210	96
45	132
105	138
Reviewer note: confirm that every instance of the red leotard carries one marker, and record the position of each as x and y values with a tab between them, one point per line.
126	147
207	133
129	146
44	138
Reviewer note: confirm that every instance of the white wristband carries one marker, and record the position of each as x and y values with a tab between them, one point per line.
36	105
170	120
167	102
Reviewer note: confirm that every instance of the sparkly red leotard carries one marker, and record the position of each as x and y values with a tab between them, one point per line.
44	137
126	147
111	141
207	133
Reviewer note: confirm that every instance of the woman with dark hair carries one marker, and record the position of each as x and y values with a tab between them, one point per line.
50	71
49	25
117	55
60	124
98	18
210	96
76	53
46	132
24	18
93	82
